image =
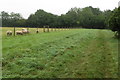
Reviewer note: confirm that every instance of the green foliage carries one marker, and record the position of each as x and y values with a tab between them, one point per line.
12	19
114	22
41	18
87	17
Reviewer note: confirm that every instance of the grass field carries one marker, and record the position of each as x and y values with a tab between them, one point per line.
77	53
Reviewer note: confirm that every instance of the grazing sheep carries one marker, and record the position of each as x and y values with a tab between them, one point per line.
37	31
25	31
19	33
9	33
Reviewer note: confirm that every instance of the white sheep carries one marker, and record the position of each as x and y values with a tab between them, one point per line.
19	33
9	33
25	31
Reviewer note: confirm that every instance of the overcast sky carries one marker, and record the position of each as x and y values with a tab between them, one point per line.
26	7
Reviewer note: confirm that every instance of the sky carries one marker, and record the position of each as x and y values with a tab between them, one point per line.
58	7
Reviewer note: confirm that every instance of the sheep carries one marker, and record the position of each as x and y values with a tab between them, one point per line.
9	33
25	31
19	33
37	31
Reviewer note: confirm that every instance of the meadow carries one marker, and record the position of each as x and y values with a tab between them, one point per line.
75	53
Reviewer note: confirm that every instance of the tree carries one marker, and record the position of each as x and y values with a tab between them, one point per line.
72	18
114	22
41	18
5	18
12	19
107	14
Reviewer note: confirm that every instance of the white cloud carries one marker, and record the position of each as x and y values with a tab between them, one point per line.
26	7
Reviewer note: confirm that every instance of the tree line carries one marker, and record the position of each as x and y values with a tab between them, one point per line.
87	17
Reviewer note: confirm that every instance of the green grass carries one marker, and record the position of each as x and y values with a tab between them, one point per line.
77	53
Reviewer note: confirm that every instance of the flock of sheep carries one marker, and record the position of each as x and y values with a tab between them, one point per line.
23	31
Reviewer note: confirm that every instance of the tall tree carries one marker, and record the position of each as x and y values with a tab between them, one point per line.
12	19
114	22
41	18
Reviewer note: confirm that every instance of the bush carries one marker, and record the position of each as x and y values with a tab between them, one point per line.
114	22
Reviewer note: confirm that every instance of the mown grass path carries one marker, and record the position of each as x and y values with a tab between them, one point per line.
64	54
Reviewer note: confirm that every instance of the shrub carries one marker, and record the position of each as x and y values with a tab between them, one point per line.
114	22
